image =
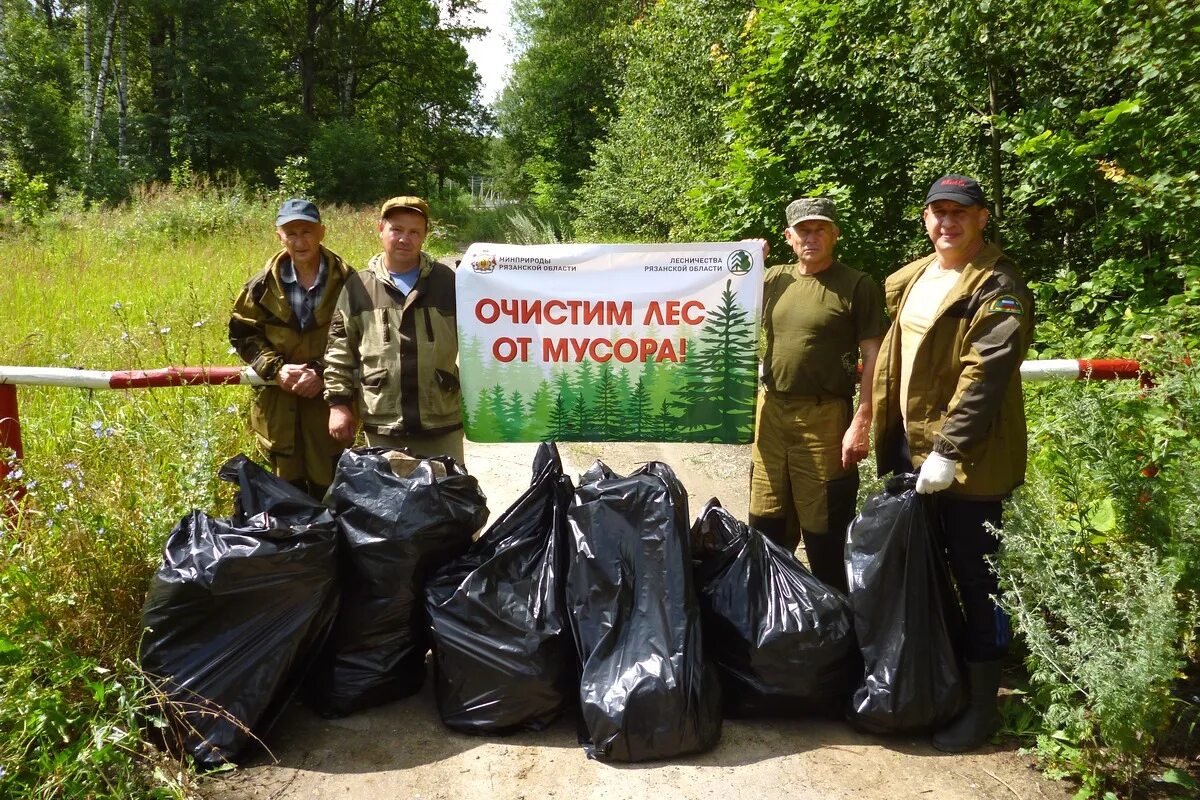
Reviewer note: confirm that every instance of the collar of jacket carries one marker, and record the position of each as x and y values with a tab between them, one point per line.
279	305
378	268
973	272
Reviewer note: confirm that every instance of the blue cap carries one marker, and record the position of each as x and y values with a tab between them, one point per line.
295	209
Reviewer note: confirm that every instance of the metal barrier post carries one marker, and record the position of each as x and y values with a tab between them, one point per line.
10	440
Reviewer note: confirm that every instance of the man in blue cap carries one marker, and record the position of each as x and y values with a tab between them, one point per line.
279	325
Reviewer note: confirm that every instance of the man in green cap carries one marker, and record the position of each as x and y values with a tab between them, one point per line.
818	315
393	344
278	327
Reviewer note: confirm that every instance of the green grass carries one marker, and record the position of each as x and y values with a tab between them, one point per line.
111	472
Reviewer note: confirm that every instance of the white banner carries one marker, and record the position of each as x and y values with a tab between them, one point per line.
586	342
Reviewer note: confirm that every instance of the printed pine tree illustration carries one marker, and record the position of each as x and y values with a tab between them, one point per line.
717	394
606	409
636	418
563	386
513	420
560	420
585	381
538	417
497	406
580	423
470	360
486	425
664	424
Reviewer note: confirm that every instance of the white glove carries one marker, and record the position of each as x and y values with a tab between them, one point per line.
937	473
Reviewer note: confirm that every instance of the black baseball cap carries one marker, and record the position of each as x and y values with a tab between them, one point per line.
959	188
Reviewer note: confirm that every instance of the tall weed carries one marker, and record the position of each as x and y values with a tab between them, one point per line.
1101	569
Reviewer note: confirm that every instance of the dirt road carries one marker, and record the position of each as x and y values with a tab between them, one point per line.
403	751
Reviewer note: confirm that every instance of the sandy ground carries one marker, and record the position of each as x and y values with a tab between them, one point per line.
402	750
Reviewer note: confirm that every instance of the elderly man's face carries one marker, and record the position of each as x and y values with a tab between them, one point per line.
812	241
955	230
302	240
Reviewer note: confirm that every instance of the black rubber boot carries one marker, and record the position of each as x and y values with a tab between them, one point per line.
975	725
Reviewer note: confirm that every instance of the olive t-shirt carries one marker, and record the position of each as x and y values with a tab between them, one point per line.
813	326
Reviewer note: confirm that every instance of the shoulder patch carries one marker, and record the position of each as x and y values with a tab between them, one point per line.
1006	304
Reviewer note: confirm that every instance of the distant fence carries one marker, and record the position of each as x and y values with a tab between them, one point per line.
11	377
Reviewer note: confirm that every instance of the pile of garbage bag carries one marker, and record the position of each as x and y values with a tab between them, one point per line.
602	599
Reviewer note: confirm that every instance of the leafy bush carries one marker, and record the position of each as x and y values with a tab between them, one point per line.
1101	569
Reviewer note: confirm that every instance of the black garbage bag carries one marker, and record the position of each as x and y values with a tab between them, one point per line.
783	641
906	615
400	519
645	691
237	611
504	659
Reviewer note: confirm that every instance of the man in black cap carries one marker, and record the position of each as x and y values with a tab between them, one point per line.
279	325
818	315
948	401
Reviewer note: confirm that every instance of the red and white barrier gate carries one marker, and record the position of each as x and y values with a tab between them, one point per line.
11	377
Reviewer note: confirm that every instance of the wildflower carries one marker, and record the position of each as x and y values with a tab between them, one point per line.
124	336
165	329
198	323
99	533
71	466
96	426
231	351
117	306
16	474
29	487
99	431
231	409
68	483
59	508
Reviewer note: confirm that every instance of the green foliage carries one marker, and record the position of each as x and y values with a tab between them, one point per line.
38	124
553	110
668	134
295	178
230	89
1101	569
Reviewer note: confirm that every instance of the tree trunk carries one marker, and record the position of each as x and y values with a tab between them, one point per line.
87	56
123	94
102	83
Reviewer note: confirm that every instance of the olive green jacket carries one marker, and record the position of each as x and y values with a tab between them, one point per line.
964	394
395	355
266	334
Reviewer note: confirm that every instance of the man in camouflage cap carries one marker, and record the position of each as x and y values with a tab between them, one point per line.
818	315
393	344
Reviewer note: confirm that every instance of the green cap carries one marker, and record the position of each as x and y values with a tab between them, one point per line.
807	208
405	203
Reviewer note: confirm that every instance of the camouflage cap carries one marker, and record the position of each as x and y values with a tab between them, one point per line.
807	208
407	203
